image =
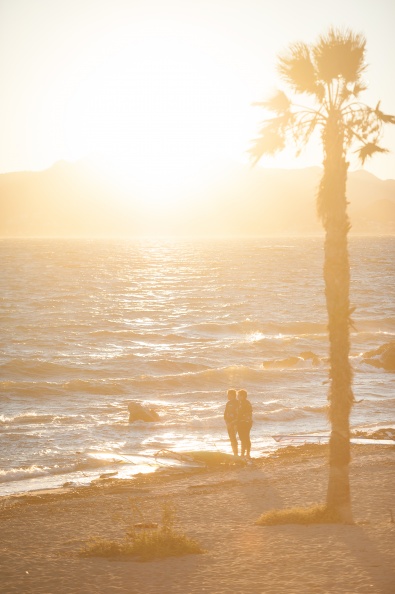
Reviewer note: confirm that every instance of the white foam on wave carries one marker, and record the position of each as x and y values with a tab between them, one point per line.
17	474
80	466
28	418
282	414
36	418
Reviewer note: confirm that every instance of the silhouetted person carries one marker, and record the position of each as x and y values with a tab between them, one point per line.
230	416
244	422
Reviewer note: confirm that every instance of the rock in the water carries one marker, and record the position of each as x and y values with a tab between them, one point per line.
388	357
382	357
281	363
138	412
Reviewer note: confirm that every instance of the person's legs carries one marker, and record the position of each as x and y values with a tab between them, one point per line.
233	437
241	429
248	441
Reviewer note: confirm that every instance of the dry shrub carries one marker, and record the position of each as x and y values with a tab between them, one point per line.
146	541
316	514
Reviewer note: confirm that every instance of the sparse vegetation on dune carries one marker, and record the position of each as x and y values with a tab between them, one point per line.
146	540
315	514
148	544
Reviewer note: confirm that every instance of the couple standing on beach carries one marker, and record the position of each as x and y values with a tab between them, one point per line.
238	419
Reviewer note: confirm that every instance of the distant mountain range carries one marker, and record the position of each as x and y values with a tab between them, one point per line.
69	200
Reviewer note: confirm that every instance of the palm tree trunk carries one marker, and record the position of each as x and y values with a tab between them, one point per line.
332	207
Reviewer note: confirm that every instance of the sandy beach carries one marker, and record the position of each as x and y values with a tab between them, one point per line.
42	533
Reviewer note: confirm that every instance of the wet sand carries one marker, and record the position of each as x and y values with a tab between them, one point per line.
42	533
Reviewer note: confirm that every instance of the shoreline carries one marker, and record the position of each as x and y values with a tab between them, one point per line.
42	532
384	436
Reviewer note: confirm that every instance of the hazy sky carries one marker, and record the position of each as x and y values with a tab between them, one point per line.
163	85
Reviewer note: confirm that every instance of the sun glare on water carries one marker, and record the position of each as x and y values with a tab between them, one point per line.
156	114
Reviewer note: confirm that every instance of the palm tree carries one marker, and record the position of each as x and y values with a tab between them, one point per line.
329	75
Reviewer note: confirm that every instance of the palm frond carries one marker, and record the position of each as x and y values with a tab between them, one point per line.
359	87
339	54
297	69
368	150
344	95
270	141
306	130
383	117
278	103
363	123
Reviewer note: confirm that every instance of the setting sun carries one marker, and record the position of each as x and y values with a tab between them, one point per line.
157	112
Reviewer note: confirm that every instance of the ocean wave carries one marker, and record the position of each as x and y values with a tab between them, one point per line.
379	326
32	388
264	331
17	474
113	333
169	366
374	403
207	380
33	418
204	379
104	386
144	337
305	328
306	359
222	328
36	368
315	409
169	375
38	389
34	471
283	414
28	419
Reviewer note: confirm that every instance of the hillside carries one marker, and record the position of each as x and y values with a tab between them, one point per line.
70	200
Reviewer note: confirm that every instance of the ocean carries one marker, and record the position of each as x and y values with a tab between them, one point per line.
89	325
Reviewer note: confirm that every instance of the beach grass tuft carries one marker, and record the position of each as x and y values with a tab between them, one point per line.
146	541
315	514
